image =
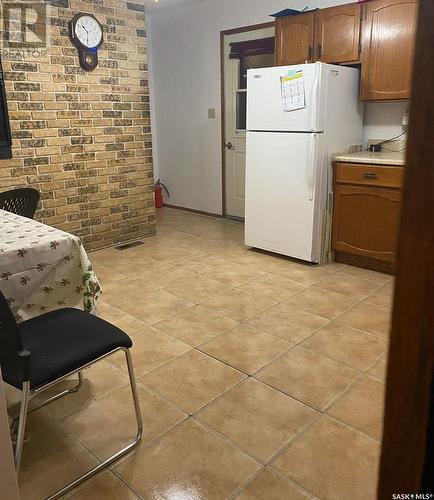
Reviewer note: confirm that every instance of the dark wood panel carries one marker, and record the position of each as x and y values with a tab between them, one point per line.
388	48
350	259
337	33
407	459
295	39
365	221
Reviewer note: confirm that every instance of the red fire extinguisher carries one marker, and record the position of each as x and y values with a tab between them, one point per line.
158	189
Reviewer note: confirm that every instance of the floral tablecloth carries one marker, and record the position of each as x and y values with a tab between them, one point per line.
43	268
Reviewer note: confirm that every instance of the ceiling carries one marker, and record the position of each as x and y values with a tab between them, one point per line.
151	6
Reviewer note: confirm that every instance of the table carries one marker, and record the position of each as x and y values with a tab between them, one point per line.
43	268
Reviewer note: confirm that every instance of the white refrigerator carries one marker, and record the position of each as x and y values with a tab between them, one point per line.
288	162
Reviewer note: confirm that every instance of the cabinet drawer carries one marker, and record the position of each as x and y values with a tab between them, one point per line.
369	175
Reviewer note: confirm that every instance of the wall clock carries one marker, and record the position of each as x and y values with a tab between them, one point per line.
86	34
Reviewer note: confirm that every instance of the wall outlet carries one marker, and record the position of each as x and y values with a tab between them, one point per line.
405	118
211	113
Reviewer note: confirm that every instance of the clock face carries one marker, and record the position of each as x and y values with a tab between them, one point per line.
88	31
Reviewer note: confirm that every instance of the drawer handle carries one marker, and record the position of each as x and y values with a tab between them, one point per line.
370	175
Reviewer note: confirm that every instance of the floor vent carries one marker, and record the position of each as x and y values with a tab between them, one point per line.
126	246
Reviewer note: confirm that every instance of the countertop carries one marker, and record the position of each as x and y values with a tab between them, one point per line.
381	158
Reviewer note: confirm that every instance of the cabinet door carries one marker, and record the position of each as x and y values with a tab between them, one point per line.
365	221
387	49
294	39
337	33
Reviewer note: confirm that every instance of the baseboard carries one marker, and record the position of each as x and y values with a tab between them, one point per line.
192	210
365	262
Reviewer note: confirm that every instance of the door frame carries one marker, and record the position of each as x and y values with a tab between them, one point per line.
234	31
407	458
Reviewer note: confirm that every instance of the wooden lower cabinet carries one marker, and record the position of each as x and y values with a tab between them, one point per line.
366	217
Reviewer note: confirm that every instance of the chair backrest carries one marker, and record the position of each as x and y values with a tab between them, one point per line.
11	344
22	201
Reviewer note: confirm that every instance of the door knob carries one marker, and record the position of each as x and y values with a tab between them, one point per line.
229	145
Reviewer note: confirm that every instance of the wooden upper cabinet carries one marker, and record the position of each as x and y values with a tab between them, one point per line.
295	39
337	33
388	38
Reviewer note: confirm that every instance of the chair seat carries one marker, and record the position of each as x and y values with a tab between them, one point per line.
62	341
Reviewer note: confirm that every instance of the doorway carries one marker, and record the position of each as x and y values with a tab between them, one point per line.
241	49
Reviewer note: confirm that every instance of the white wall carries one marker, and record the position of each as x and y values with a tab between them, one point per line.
383	120
184	65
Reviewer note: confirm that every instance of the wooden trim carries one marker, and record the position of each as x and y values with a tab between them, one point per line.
406	459
194	211
243	29
224	33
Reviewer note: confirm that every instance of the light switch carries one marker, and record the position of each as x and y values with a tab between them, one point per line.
211	113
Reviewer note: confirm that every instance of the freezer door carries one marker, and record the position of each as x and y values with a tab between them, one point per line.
264	100
284	193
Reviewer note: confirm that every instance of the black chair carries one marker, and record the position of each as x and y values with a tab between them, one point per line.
40	352
22	201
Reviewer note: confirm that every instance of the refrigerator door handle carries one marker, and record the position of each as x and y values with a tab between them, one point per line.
311	164
315	99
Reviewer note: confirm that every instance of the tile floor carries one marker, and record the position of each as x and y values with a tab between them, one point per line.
259	377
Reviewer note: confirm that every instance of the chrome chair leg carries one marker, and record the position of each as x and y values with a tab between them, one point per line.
60	394
53	398
134	393
121	452
22	425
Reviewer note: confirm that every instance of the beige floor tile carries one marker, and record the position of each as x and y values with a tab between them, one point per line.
153	307
346	284
347	345
374	319
51	458
163	277
323	303
238	305
128	324
197	289
383	297
151	349
193	380
149	274
234	274
287	322
196	325
333	462
200	264
308	377
246	348
124	290
127	263
258	418
270	485
304	273
188	462
272	287
109	424
106	486
362	407
379	370
106	275
163	253
99	379
367	273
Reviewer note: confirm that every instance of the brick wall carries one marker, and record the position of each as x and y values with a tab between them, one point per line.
83	139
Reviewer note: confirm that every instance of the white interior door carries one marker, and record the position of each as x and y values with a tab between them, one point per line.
235	80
